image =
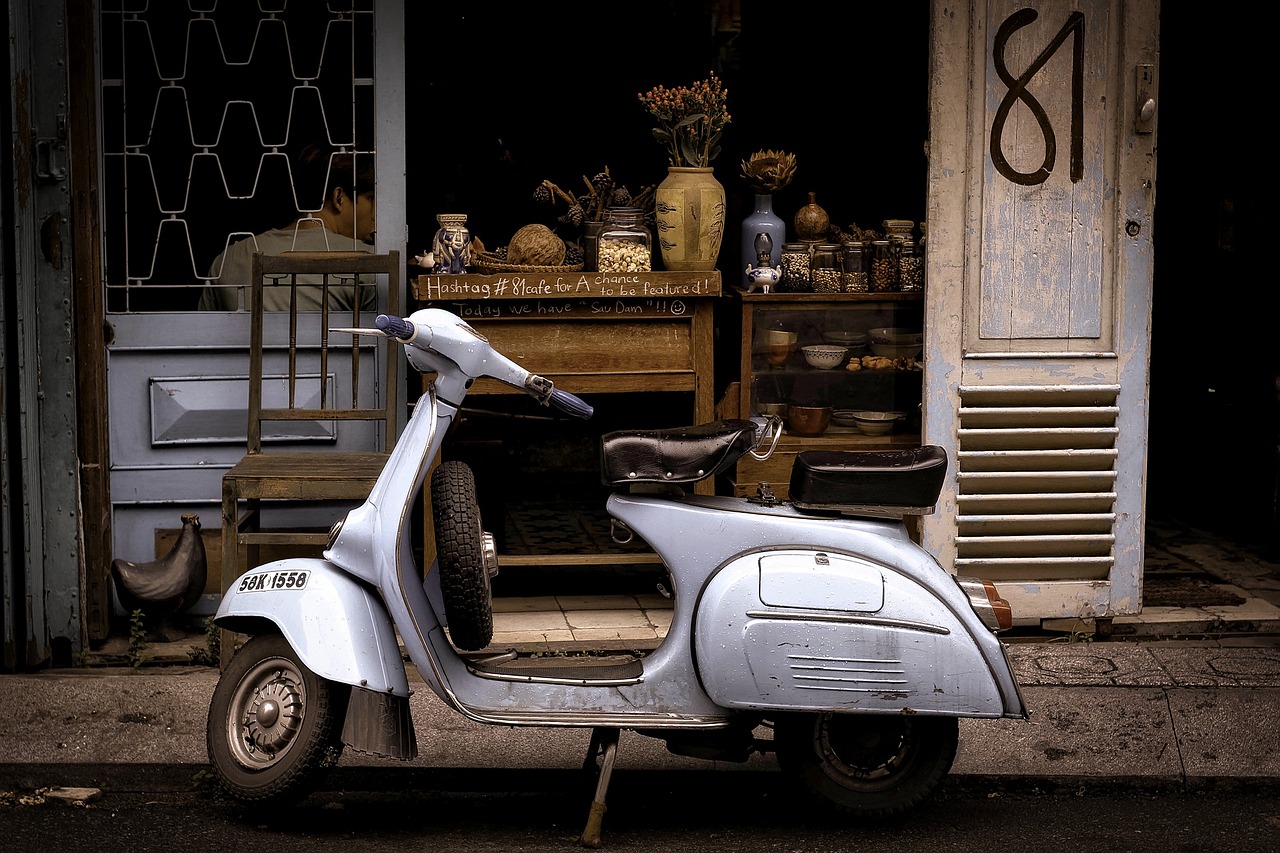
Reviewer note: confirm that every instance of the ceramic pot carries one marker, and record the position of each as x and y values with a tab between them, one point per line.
811	221
591	245
808	420
762	220
690	207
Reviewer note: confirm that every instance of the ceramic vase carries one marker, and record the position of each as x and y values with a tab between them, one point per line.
690	207
762	220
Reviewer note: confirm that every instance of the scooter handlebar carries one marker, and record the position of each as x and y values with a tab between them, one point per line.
571	404
396	327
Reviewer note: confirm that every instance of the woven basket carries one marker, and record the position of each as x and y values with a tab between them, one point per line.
487	264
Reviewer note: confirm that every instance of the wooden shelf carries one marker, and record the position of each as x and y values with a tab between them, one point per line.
812	313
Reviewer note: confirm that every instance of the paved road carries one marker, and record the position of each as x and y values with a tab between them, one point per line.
544	810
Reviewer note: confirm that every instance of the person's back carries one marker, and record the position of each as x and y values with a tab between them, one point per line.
345	222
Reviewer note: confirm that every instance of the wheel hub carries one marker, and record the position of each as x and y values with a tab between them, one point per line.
275	715
863	751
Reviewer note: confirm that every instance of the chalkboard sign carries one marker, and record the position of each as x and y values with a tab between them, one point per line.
579	286
602	308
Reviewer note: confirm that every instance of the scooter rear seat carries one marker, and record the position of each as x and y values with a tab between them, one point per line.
682	455
908	481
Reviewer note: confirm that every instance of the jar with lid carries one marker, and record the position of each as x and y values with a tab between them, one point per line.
910	268
884	272
824	268
794	261
853	260
625	244
897	228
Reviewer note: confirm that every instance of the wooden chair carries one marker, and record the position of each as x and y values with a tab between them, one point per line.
309	386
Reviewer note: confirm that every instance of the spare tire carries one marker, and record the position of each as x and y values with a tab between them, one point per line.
460	552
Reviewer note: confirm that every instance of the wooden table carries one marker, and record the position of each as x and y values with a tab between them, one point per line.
593	332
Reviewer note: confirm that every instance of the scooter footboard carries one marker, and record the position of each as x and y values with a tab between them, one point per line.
340	629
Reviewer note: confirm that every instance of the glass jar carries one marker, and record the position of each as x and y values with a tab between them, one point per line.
625	244
884	272
910	268
824	268
795	268
853	261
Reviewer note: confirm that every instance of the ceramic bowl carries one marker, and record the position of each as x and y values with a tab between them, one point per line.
874	423
773	409
825	357
896	342
841	338
808	420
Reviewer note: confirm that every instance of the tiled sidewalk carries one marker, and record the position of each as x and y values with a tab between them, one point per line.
607	622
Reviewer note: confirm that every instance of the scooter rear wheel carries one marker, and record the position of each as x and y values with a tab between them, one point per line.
274	725
460	550
867	765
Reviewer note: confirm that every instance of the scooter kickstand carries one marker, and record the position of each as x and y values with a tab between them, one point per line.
604	742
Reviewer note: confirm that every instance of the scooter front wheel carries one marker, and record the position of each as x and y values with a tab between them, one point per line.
274	725
867	765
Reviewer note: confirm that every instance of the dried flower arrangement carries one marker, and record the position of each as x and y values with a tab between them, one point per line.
602	192
861	235
691	120
769	171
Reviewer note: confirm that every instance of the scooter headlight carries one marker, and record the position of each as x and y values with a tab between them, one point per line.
994	611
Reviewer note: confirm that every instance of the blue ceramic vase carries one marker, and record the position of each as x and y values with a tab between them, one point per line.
761	221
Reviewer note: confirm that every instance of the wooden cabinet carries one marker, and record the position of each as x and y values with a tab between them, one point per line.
813	317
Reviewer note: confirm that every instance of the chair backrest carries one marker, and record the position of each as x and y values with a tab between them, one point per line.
320	378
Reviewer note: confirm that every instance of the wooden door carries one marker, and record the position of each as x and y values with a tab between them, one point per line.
1041	193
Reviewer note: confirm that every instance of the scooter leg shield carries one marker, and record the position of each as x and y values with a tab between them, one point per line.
340	629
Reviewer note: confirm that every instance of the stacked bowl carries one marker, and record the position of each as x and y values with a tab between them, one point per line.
897	342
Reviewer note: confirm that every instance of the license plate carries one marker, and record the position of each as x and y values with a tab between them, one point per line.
268	581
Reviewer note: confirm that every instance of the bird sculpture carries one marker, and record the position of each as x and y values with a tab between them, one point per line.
166	587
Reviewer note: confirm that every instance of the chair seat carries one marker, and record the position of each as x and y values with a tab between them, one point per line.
316	475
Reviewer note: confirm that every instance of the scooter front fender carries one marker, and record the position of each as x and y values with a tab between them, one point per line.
340	628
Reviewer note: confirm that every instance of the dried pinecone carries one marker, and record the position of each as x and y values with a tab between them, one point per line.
542	193
572	254
602	183
574	215
621	197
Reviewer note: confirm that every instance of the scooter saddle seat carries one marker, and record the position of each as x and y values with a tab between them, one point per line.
889	482
682	455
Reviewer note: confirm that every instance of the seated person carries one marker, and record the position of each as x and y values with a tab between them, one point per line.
344	223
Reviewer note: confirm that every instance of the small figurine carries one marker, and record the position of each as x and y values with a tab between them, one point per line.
762	275
166	587
451	249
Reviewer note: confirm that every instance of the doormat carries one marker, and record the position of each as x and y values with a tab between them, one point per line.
1185	590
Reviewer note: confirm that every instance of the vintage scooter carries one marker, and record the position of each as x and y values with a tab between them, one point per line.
813	627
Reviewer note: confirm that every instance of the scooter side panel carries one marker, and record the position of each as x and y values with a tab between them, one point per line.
339	629
790	648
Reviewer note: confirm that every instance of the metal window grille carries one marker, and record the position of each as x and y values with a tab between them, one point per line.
205	109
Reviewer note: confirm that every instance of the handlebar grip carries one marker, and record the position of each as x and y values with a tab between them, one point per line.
395	327
571	404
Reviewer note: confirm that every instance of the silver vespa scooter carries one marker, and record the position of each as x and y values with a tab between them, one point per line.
811	627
